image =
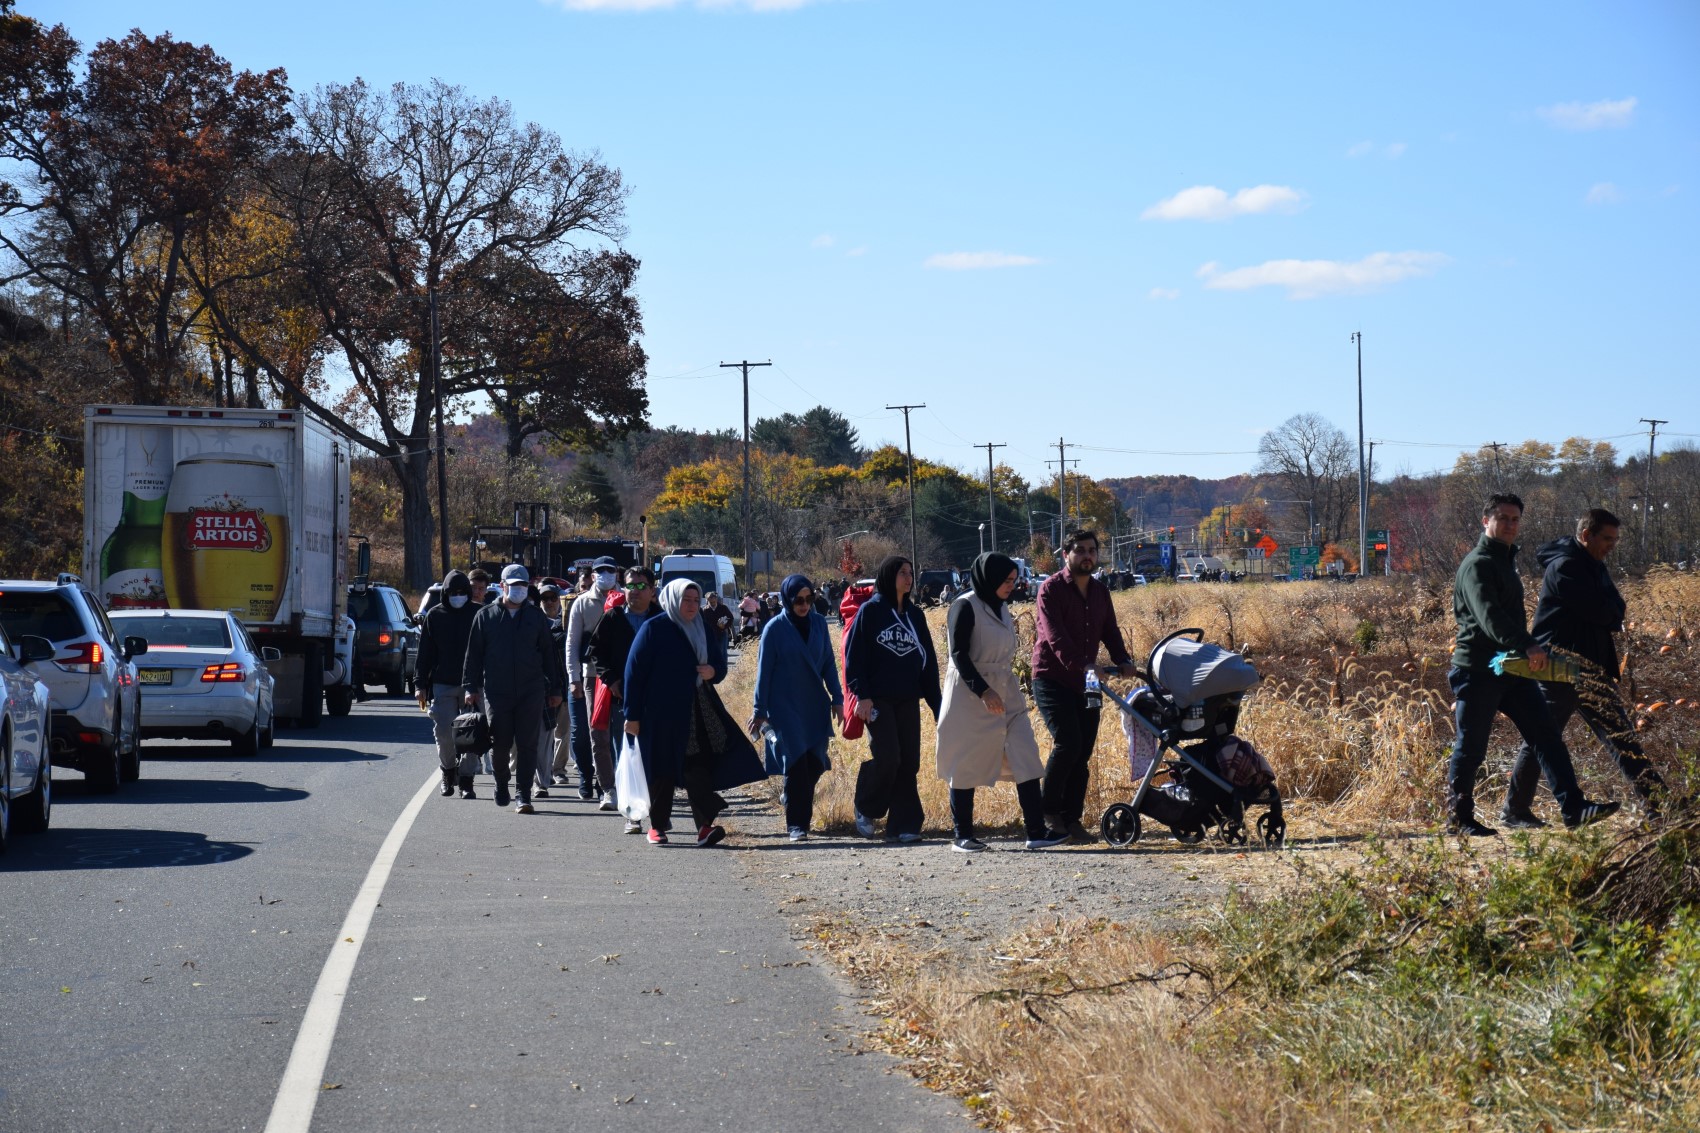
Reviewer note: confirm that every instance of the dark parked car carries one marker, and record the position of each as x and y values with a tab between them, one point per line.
386	640
933	585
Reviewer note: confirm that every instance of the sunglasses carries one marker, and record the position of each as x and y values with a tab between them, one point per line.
637	586
801	598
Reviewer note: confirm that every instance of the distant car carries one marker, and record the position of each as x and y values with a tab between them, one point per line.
932	585
96	705
1186	576
26	764
203	678
386	637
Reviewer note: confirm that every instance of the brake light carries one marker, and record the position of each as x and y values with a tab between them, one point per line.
84	657
228	671
384	639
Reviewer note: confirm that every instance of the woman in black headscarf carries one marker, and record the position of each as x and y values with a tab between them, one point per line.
797	695
890	665
984	732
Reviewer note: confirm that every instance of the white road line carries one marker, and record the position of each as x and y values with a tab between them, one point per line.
303	1078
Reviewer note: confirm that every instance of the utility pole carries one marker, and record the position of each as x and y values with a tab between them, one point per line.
909	450
1062	474
442	443
1647	513
991	505
1363	468
1495	446
749	572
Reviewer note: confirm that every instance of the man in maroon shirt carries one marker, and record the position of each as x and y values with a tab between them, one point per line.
1075	617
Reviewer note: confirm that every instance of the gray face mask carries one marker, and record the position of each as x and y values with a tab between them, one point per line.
456	601
607	579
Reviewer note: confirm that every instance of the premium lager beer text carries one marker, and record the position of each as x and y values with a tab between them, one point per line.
130	560
226	537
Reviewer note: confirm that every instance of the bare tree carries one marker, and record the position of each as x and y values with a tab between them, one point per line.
1314	461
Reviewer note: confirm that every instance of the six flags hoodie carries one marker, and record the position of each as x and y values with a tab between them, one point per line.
889	653
1580	606
442	645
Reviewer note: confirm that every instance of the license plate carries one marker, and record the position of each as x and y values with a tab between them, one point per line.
154	676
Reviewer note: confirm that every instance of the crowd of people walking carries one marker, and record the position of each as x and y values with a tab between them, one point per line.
637	671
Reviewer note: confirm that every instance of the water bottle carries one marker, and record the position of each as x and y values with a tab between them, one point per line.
1094	692
768	734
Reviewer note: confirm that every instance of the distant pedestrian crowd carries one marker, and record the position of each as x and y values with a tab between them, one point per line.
637	671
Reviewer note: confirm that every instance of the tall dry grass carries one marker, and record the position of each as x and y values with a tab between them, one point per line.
1353	711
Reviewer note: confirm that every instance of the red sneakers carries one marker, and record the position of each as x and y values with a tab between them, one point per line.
709	835
657	837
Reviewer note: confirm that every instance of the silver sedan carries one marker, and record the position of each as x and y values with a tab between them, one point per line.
26	766
202	677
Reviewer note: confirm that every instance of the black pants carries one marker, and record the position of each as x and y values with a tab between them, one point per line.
1480	697
1074	733
1032	809
800	781
514	724
706	805
1602	711
886	784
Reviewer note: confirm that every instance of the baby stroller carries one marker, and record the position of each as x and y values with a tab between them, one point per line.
1189	708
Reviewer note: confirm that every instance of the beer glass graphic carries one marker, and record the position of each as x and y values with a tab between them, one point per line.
226	537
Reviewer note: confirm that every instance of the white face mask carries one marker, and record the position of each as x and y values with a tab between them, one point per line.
456	601
607	579
516	592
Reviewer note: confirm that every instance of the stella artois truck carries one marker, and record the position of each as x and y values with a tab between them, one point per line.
228	509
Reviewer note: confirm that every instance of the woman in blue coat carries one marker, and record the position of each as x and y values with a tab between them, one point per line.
797	694
683	731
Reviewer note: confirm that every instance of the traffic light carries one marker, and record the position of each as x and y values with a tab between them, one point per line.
1171	531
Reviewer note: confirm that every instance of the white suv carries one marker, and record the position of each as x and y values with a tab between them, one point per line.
96	704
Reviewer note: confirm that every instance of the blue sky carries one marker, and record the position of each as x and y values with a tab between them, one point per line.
1138	227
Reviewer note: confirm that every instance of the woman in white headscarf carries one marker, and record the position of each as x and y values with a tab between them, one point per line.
684	732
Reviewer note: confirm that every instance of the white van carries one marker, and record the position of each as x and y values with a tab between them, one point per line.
705	568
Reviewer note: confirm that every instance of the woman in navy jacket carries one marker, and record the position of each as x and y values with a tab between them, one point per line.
683	730
890	666
797	695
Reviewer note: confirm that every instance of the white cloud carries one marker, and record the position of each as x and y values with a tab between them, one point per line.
1391	151
976	261
656	5
1307	279
858	250
1207	202
1362	149
824	240
1605	193
1394	150
1164	293
1602	115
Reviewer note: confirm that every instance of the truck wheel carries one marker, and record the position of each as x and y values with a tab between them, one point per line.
339	699
396	685
312	687
103	768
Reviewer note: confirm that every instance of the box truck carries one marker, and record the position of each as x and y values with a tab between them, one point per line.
236	509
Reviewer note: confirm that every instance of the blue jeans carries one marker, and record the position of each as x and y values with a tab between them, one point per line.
1481	696
580	717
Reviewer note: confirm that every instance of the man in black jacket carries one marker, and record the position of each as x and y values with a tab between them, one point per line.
511	673
442	662
1580	609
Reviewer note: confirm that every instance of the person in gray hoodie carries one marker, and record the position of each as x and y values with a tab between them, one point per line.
510	673
441	663
582	620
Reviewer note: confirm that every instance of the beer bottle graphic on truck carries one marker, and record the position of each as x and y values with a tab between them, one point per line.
130	560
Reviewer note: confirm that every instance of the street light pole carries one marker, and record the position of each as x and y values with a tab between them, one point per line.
749	571
1363	468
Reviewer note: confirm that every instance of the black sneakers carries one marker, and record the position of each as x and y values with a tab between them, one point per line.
1521	820
502	796
1590	814
466	791
1470	827
968	846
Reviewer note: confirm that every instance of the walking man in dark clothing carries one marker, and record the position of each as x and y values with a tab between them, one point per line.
1580	609
1074	618
1487	600
442	662
511	673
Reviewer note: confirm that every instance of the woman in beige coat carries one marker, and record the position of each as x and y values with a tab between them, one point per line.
984	734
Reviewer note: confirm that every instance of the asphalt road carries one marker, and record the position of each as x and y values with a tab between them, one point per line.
160	948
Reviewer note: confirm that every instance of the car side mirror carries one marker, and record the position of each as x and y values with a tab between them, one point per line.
32	648
269	653
135	647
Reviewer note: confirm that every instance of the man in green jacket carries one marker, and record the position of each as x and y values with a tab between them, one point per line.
1487	599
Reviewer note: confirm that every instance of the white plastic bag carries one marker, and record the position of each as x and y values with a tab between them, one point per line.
631	785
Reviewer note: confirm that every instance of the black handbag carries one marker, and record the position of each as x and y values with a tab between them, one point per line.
472	733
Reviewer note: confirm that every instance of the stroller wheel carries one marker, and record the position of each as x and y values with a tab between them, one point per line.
1272	829
1231	833
1120	825
1189	835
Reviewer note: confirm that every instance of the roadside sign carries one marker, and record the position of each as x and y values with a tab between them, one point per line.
1268	546
1303	558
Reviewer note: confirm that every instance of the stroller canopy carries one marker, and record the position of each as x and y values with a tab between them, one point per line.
1194	671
